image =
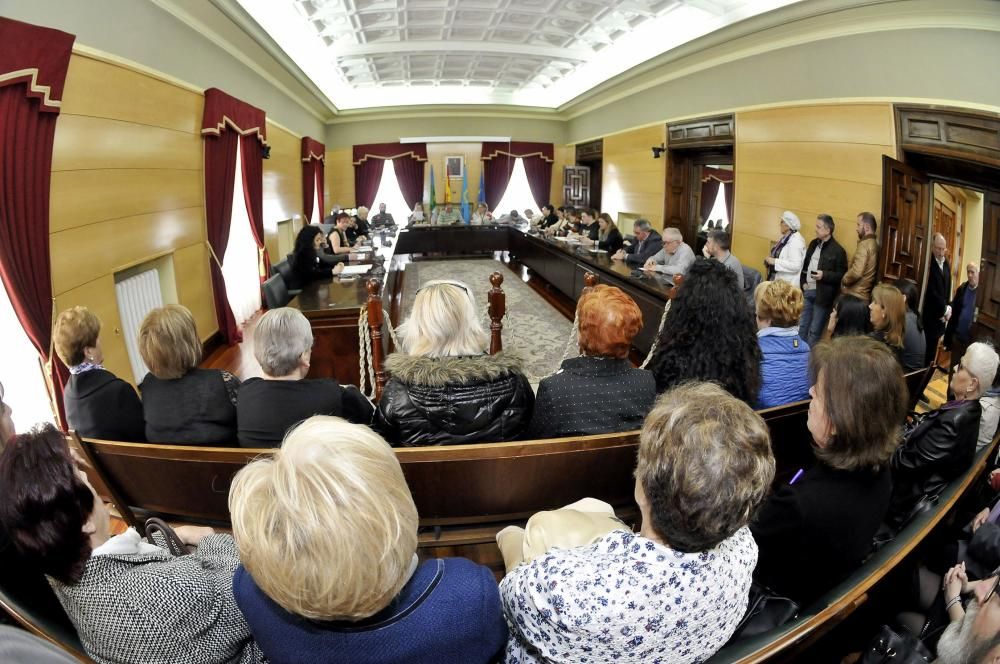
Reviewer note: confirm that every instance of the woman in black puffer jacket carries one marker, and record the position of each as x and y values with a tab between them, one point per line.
445	390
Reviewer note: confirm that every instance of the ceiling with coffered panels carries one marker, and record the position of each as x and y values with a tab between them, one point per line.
539	53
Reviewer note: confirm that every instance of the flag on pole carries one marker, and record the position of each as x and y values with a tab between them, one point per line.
433	196
465	195
482	188
447	188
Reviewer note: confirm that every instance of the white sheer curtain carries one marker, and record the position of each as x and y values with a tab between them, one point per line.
239	267
518	195
21	373
390	194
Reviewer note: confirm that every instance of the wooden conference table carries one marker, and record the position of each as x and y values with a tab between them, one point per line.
333	306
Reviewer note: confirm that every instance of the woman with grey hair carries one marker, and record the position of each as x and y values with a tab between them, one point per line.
270	406
444	389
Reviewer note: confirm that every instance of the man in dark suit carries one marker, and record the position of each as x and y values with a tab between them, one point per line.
958	334
936	310
823	268
647	243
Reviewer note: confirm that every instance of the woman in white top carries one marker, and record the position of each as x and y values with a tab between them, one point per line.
675	591
417	216
788	254
482	215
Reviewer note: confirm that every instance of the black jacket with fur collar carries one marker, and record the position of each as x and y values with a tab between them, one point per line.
453	400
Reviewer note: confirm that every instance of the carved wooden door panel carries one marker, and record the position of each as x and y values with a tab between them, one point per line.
576	186
906	196
987	325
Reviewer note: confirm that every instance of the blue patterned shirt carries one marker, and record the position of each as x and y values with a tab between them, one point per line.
626	599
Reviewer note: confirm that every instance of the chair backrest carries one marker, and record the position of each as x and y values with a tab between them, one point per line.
790	439
32	603
751	279
284	268
275	292
458	484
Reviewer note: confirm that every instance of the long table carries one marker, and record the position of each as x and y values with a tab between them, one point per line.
333	306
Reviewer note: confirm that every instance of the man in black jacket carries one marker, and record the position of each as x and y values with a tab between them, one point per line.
823	268
936	310
958	334
647	243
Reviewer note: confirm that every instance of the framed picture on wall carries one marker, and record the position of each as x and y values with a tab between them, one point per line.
453	166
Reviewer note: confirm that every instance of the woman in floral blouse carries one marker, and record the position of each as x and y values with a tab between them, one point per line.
675	591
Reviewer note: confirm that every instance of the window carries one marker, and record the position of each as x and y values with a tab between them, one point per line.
518	195
390	194
240	265
21	372
718	212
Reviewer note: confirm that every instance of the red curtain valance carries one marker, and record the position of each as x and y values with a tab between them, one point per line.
222	109
37	57
313	149
717	174
384	151
517	149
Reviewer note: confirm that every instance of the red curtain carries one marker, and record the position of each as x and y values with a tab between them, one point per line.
226	121
368	162
313	157
498	165
33	65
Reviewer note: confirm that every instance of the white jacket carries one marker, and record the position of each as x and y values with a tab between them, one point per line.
788	264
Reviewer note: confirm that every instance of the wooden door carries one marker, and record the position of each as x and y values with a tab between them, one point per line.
576	186
906	195
987	325
944	223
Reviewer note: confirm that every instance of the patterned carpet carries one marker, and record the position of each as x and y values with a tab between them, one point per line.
532	328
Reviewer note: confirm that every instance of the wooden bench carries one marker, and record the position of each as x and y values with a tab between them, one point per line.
839	603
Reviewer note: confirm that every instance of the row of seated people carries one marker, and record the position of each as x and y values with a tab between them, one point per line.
447	214
591	228
322	565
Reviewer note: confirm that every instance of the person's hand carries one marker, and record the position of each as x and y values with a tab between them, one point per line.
338	268
947	314
995	480
819	275
832	323
619	255
650	265
980	518
193	535
769	260
955	582
704	252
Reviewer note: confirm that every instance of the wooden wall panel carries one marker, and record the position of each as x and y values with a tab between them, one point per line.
633	180
84	143
82	254
99	296
84	195
810	160
129	95
194	286
564	155
282	184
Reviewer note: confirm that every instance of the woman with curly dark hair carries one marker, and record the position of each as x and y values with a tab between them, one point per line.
709	335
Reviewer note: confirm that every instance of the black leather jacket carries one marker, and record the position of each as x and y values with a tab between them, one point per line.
453	400
937	451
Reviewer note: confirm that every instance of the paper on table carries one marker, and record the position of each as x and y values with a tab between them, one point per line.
360	250
355	269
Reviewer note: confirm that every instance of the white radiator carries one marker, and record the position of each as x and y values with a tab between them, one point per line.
137	296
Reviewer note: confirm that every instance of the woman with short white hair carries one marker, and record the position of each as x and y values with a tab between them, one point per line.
444	389
271	405
327	532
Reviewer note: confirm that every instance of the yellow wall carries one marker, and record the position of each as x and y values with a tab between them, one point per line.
973	250
282	190
810	160
339	174
564	155
126	187
633	181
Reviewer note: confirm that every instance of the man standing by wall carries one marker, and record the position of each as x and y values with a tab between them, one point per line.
958	334
860	277
936	310
823	268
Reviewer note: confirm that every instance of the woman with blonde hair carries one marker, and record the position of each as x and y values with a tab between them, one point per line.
327	532
183	404
610	238
98	403
784	367
887	313
444	389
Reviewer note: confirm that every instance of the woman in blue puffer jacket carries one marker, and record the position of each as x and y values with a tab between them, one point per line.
784	370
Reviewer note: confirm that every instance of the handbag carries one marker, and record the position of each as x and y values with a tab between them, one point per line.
161	527
766	610
890	647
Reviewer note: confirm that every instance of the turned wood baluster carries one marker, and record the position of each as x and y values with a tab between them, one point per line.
498	307
589	281
375	330
678	279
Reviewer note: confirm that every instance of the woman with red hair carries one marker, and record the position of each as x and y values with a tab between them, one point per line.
600	391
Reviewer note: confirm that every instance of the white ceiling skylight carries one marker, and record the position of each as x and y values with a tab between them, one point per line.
542	53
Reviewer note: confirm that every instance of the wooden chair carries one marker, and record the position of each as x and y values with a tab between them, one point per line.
275	292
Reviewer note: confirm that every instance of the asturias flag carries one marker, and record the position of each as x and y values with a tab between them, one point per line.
465	195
